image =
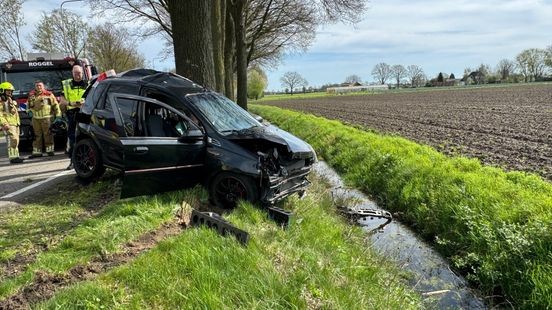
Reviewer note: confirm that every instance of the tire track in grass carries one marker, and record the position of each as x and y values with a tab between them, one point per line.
45	285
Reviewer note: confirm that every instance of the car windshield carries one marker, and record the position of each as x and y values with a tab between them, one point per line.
225	115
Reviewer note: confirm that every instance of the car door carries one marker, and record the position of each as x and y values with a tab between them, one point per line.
163	150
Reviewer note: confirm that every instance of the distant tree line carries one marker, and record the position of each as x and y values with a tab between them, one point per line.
530	65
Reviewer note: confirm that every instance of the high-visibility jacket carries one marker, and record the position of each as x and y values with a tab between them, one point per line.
8	113
43	105
72	93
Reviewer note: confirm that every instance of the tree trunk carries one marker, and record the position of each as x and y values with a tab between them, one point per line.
217	24
241	52
229	53
193	40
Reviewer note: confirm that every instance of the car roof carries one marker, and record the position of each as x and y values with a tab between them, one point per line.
168	81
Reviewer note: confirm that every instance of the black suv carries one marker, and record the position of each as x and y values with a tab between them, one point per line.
165	132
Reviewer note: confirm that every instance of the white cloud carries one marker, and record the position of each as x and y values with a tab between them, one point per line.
438	35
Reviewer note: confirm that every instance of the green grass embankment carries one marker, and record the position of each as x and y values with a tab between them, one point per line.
495	226
318	262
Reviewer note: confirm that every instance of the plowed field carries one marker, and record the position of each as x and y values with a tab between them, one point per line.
509	127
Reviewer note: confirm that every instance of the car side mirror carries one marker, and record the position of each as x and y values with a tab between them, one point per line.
192	135
258	118
83	118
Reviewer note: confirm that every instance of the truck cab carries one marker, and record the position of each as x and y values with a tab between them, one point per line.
50	68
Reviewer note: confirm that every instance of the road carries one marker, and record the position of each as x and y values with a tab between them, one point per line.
18	181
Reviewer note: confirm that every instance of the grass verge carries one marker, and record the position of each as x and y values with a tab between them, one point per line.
495	226
319	261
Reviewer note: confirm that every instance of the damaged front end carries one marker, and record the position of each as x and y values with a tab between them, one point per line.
281	177
284	162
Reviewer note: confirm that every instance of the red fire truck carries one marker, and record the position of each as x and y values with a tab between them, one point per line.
50	68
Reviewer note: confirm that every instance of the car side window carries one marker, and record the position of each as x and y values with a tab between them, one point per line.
162	122
128	108
100	90
130	89
163	98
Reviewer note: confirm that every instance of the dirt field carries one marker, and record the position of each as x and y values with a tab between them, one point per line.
509	127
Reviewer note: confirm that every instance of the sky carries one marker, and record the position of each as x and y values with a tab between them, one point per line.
440	36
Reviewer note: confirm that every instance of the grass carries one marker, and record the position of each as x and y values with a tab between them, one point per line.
98	236
495	226
319	261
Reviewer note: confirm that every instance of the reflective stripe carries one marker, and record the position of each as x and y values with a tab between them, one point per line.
13	152
49	148
37	151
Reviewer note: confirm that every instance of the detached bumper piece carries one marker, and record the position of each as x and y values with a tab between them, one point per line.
218	223
280	216
361	213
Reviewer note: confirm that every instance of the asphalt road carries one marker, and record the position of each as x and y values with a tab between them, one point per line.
18	181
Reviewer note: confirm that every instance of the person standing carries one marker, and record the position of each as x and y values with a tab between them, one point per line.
9	120
42	106
73	89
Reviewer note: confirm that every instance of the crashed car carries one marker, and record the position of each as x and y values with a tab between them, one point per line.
165	132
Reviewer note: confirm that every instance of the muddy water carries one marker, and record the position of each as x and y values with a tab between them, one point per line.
431	274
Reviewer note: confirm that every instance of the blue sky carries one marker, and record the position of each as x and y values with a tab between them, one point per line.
445	35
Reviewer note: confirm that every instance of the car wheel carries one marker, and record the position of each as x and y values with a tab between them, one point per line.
226	189
87	160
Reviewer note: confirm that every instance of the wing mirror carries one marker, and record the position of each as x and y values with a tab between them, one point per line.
192	135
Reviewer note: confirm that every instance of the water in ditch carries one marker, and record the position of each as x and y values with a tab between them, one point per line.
431	274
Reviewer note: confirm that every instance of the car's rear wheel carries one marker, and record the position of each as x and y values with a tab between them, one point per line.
87	160
227	188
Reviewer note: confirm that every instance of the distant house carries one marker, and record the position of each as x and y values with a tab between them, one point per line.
475	77
443	79
356	88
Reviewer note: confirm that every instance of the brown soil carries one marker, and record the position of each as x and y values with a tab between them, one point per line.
45	285
509	127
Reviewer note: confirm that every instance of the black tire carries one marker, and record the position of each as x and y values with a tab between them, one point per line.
87	160
227	188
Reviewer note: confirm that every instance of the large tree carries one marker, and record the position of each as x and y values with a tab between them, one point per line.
505	68
254	31
353	79
415	75
193	40
531	63
11	21
381	72
293	80
398	72
110	48
61	31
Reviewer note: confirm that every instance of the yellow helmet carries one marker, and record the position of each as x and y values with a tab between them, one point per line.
6	86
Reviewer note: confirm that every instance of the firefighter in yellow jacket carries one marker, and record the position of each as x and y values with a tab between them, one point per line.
43	106
9	120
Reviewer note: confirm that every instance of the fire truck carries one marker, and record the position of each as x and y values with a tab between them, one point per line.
50	68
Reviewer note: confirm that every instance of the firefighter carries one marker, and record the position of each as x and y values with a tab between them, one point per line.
9	120
73	89
42	105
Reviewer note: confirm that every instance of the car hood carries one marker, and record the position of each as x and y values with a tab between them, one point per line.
298	148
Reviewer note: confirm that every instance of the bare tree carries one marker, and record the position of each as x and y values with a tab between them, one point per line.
293	80
255	31
398	72
152	16
416	75
11	21
505	68
353	79
61	31
531	63
548	56
111	48
381	72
